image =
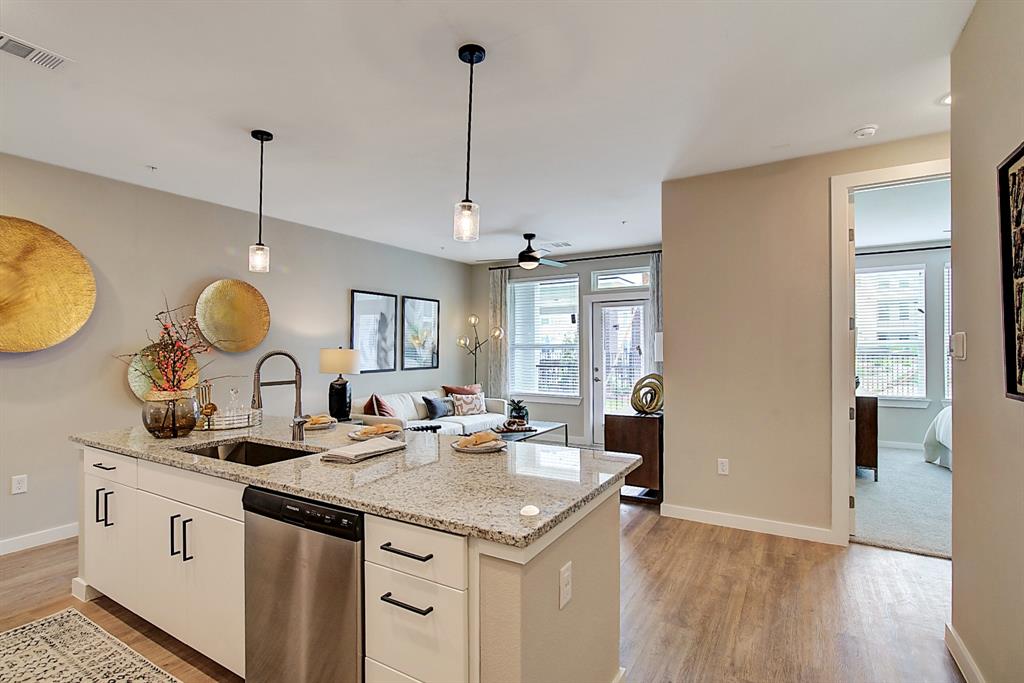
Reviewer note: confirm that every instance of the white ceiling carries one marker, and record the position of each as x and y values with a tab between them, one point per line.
581	110
903	214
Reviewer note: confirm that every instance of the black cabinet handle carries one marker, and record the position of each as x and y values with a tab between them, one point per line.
173	551
185	557
404	605
103	467
106	508
388	548
98	518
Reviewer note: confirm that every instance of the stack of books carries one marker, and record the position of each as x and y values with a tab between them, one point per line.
361	451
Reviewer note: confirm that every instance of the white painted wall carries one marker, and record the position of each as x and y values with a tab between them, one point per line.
144	244
908	424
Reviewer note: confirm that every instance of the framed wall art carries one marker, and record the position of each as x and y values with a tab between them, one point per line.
374	330
420	333
1010	175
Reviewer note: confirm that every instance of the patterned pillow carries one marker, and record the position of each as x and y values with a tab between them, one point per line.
469	404
379	407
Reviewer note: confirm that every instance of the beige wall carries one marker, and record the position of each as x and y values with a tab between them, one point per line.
988	429
142	245
524	636
747	320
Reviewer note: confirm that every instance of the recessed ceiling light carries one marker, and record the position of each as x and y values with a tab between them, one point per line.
865	131
947	99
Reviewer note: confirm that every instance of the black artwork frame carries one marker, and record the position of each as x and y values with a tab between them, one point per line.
358	294
1010	179
436	356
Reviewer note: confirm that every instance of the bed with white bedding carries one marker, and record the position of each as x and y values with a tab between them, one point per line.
938	440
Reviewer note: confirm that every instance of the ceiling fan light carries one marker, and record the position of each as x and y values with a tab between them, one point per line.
259	258
467	222
528	265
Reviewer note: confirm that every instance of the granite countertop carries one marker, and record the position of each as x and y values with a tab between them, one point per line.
427	483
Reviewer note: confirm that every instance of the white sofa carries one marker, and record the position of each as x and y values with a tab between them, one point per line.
412	412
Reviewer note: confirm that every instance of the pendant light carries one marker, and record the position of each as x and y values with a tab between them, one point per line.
467	212
259	253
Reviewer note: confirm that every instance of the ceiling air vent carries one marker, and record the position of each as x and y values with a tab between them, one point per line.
557	245
33	53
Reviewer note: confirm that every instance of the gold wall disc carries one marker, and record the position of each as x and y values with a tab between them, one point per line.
233	315
142	369
47	289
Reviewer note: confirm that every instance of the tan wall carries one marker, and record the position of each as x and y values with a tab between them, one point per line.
142	245
524	636
747	320
988	429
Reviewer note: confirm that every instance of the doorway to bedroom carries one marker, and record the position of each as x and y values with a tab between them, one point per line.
903	380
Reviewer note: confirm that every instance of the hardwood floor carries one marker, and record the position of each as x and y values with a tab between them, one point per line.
706	603
699	603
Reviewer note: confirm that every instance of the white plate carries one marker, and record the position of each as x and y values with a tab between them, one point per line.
355	436
489	447
325	425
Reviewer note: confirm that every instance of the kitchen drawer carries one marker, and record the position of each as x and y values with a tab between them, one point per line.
432	647
378	673
403	547
199	490
115	467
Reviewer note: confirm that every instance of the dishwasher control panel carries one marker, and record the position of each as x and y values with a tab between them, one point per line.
321	517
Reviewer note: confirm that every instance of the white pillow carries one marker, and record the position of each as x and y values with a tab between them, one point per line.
469	404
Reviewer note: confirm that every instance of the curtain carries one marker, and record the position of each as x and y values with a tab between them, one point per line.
497	356
654	320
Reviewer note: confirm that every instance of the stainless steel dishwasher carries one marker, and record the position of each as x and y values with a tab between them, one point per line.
303	590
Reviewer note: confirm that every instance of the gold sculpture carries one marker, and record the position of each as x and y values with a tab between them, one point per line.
648	394
233	315
47	289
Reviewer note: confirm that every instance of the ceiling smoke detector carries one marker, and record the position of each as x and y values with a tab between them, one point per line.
865	131
33	53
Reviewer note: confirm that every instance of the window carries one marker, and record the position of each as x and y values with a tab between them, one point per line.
622	278
544	342
947	298
891	332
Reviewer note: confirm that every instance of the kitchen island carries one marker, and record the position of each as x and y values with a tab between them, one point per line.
528	598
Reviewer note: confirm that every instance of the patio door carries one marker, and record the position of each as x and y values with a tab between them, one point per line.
619	351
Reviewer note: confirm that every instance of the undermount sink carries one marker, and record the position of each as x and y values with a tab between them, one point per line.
248	452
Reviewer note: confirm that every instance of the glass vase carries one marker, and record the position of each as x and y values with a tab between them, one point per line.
170	414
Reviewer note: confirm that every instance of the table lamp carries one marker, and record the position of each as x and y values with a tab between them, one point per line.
344	362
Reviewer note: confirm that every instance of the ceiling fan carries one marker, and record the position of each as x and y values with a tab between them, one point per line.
530	258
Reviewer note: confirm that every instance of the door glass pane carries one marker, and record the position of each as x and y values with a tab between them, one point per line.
622	329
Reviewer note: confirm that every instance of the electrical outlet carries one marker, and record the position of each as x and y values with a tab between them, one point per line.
564	585
723	465
19	484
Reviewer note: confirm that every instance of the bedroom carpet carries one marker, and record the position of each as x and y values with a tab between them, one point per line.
908	508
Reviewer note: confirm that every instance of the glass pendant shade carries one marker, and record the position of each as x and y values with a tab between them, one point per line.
497	333
463	341
467	222
259	258
474	319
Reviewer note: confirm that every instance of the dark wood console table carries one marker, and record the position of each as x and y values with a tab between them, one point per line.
867	433
642	434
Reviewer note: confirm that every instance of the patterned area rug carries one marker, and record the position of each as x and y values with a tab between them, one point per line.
68	647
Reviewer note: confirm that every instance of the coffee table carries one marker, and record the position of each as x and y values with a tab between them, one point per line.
541	428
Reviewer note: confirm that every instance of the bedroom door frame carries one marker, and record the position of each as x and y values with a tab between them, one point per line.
844	332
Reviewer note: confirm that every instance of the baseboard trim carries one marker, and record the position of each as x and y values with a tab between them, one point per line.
83	591
904	445
962	657
36	538
764	526
620	676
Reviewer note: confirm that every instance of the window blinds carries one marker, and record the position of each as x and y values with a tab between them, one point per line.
544	349
891	332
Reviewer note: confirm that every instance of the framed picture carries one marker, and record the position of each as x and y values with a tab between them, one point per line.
1010	176
420	330
375	330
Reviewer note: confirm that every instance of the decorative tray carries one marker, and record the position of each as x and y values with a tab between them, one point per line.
217	421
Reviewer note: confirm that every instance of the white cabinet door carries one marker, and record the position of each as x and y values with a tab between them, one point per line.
215	585
161	598
192	578
109	536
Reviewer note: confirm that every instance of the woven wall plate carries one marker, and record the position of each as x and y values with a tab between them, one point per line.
233	315
47	289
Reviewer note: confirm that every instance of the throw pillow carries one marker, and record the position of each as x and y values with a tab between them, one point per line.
438	407
469	404
378	407
468	389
